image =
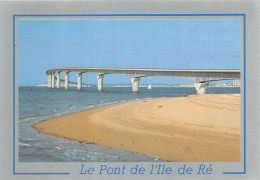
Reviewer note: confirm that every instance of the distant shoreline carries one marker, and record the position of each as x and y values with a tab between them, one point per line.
107	85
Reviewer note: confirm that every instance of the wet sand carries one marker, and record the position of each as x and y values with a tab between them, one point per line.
191	129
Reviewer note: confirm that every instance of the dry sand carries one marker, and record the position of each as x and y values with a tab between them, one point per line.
194	128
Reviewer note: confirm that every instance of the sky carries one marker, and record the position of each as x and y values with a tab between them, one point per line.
171	44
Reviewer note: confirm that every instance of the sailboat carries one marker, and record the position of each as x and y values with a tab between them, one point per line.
150	86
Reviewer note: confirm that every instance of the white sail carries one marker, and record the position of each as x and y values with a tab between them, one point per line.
150	86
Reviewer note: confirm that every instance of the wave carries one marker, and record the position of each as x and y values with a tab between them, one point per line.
114	102
58	147
88	155
24	144
90	106
70	107
26	140
27	119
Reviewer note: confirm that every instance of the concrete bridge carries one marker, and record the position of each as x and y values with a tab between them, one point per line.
201	77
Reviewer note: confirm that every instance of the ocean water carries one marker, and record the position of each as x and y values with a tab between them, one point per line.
41	103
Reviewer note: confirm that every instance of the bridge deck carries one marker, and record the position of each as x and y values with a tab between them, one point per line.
141	69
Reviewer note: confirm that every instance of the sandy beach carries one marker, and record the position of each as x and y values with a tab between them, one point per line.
191	129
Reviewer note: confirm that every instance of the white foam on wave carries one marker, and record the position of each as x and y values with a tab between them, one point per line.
26	140
114	102
90	106
58	147
88	155
27	119
70	107
24	144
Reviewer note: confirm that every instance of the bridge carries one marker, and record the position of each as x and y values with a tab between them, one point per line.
201	77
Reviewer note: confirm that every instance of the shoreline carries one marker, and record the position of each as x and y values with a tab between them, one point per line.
159	127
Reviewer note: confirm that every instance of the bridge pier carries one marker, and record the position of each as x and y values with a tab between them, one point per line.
135	84
236	82
49	80
58	80
53	80
66	77
100	82
79	81
201	87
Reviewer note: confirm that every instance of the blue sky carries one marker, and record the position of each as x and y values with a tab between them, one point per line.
172	44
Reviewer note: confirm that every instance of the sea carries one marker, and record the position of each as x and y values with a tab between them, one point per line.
37	103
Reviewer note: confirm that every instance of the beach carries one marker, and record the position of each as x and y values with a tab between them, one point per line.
192	129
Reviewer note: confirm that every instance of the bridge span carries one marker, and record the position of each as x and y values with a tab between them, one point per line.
201	77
